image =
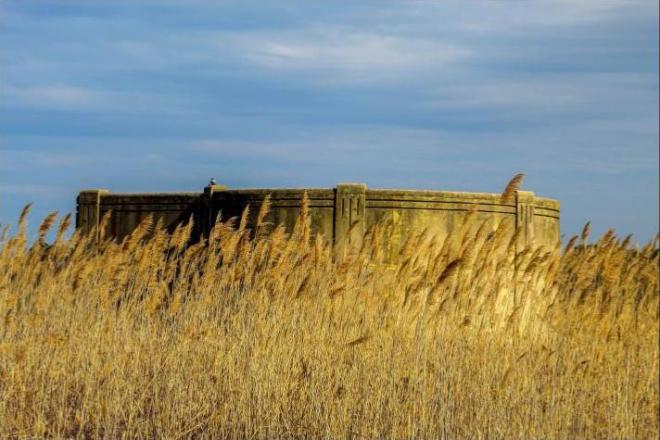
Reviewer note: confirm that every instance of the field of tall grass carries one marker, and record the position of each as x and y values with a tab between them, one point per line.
260	334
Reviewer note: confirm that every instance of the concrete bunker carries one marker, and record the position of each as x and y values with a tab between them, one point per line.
332	210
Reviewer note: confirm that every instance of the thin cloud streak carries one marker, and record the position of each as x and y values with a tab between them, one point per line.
337	49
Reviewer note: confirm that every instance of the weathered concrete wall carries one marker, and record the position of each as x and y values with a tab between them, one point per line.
284	209
333	211
128	210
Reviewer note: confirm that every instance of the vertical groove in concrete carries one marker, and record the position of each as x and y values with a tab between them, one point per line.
525	217
350	203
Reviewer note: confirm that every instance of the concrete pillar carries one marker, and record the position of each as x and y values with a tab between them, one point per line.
88	213
350	201
525	217
208	211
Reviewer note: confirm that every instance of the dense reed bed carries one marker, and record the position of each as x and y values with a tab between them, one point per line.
256	334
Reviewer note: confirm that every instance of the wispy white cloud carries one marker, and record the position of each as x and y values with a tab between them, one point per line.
588	93
334	49
59	96
428	156
30	190
247	149
42	95
39	157
535	16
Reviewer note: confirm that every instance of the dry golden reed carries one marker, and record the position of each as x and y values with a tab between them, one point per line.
511	188
269	335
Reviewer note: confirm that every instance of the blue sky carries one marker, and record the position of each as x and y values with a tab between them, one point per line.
454	95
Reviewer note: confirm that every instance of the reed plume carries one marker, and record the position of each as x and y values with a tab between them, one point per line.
46	224
584	236
64	225
511	188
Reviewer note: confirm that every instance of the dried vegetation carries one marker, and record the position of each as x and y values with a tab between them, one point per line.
256	333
